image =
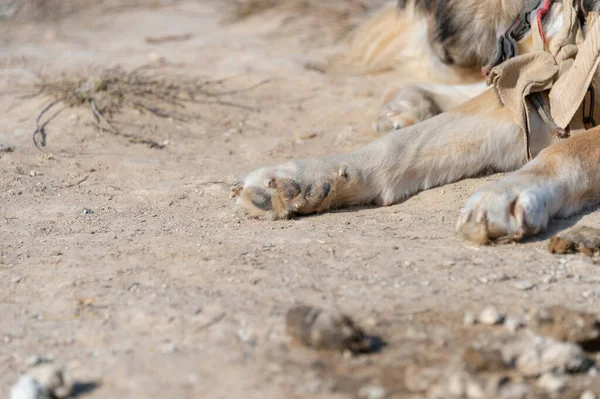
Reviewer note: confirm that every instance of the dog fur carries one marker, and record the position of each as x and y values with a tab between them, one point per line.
447	127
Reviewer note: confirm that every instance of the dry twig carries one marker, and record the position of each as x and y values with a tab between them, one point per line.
113	90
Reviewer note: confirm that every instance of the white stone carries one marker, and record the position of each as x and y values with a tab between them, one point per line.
513	324
551	383
537	355
27	388
524	285
372	392
469	319
490	316
52	379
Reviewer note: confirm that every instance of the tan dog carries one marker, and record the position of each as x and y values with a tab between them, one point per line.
432	147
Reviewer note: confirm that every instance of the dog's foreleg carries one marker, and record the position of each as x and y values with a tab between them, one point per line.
478	136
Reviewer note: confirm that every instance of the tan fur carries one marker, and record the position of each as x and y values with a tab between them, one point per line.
475	136
397	40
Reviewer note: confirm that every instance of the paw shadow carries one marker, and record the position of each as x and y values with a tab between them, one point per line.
346	209
83	388
557	225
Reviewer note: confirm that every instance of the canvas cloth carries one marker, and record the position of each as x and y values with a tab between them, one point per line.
564	67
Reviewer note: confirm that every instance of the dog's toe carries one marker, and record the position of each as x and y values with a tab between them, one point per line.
503	212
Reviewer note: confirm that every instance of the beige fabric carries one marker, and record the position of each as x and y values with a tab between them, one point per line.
560	69
569	91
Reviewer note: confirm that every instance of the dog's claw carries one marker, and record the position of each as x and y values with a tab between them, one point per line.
504	212
236	189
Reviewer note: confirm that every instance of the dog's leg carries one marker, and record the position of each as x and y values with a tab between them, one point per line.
560	181
477	136
412	104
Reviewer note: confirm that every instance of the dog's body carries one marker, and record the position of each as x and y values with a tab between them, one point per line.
448	128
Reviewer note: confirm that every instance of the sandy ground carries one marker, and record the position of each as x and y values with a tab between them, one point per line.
162	288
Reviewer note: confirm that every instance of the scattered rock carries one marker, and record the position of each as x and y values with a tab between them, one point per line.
490	316
372	392
513	324
563	324
582	267
306	135
34	360
27	388
469	319
549	279
53	379
312	64
246	337
457	385
588	395
552	383
169	38
577	239
514	391
418	379
479	360
537	355
44	381
523	285
325	329
168	348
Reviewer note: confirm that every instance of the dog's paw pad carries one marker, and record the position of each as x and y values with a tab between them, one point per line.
293	188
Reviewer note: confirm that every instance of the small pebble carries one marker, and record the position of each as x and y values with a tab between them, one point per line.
524	285
307	135
372	392
551	383
326	329
16	280
33	360
469	319
536	355
43	381
6	148
87	211
513	324
514	391
53	379
549	280
449	263
27	388
490	316
168	348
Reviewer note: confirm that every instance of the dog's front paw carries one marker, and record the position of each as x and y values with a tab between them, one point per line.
294	188
505	211
405	108
390	119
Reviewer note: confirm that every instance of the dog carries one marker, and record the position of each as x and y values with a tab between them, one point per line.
446	126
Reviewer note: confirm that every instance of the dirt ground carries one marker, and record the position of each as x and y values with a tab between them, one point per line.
131	266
